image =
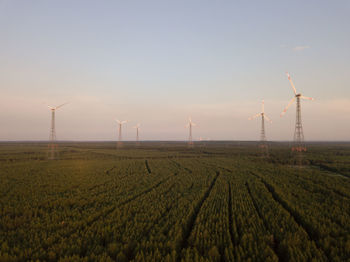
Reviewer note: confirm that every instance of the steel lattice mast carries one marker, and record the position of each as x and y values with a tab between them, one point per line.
263	142
298	143
120	142
190	125
262	133
53	150
137	134
53	147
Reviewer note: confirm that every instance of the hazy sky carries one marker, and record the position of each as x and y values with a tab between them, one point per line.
158	62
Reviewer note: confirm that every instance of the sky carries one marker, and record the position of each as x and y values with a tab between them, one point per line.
158	62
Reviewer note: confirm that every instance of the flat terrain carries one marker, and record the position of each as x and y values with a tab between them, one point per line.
166	202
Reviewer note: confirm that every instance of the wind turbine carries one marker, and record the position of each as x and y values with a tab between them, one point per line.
263	144
298	133
53	147
120	123
190	125
137	134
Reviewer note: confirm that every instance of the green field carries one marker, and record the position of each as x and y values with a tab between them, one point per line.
166	202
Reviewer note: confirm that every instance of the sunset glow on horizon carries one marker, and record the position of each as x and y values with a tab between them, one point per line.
158	63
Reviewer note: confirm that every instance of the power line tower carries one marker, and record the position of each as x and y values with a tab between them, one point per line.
190	125
52	146
264	150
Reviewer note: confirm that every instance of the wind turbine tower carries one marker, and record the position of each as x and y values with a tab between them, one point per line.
299	145
263	143
190	125
120	142
137	134
53	147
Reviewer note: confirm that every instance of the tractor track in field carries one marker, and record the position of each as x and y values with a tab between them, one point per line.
322	186
146	231
295	215
162	217
119	177
188	227
116	157
329	169
256	206
108	211
230	216
217	167
276	242
149	171
109	170
94	192
103	185
178	165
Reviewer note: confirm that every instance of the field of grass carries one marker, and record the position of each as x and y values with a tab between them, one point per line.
219	201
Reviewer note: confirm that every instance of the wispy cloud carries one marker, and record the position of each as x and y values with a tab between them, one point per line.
300	48
295	48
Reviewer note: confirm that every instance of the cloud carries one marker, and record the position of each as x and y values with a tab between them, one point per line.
300	48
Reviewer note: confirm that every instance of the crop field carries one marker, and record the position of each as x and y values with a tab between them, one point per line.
219	201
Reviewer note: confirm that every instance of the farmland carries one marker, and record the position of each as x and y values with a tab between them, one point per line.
165	202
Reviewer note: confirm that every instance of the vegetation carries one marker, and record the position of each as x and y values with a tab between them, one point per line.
166	202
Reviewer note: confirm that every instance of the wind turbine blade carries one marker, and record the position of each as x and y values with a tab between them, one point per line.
291	82
268	119
255	116
50	107
57	107
117	121
285	110
308	98
123	122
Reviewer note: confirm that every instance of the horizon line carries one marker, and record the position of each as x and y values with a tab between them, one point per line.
184	141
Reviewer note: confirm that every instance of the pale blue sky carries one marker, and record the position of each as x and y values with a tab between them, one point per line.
157	62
